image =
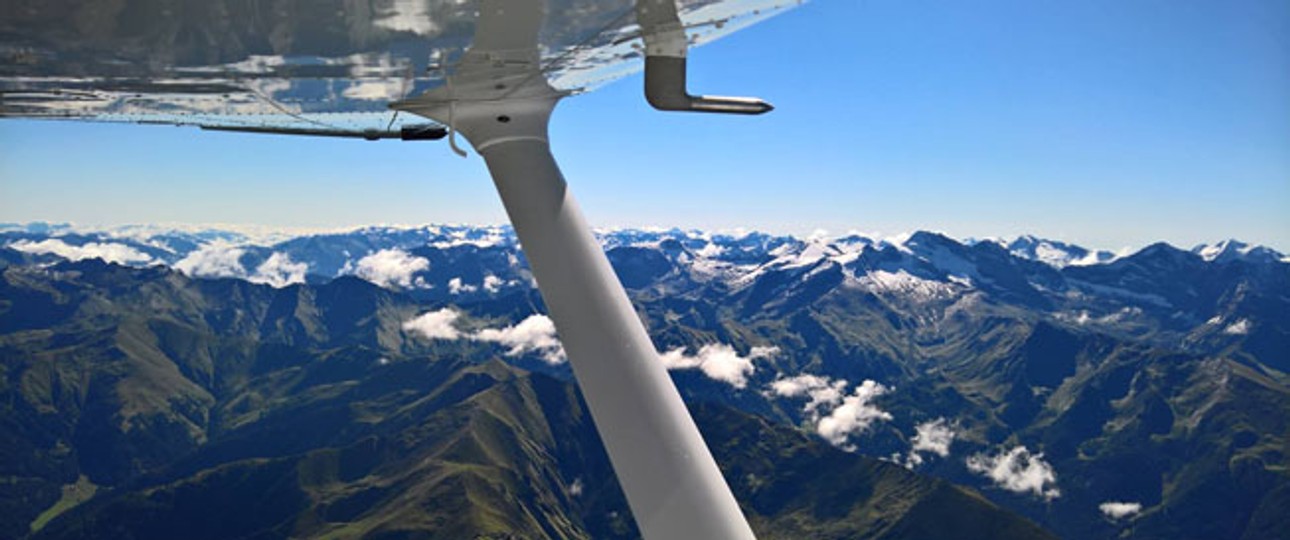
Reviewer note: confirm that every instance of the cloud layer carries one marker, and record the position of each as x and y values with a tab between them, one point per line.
223	260
109	252
1017	470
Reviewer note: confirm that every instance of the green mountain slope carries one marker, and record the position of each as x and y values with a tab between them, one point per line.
221	409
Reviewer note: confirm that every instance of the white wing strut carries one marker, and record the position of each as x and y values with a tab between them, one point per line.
500	101
673	485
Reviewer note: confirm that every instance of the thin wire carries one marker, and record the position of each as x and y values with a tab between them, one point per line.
290	113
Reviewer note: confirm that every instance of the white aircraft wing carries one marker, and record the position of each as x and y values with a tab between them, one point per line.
324	67
492	70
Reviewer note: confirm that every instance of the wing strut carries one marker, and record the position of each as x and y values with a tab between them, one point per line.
501	103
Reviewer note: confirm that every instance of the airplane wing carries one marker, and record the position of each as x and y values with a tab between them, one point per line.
303	67
492	70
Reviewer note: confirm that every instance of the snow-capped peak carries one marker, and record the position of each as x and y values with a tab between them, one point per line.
1055	253
1233	250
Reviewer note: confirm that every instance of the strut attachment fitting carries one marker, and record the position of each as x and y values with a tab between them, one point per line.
665	65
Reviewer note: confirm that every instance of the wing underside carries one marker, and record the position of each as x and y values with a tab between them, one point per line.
296	67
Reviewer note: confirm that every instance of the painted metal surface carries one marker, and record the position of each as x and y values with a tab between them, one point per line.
297	64
491	69
499	99
671	481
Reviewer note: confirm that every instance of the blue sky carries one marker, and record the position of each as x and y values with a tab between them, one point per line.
1106	123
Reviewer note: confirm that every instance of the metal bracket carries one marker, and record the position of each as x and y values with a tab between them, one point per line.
665	65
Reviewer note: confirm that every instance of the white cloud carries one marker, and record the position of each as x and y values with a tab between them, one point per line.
534	334
389	268
217	259
1238	328
822	391
718	361
575	489
279	271
710	250
853	416
932	437
435	324
109	252
493	236
1017	470
493	283
456	287
375	89
1120	510
407	16
835	414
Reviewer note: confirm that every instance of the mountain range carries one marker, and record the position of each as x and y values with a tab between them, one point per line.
1138	395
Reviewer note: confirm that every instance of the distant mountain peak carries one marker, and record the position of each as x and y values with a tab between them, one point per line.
1055	253
1235	250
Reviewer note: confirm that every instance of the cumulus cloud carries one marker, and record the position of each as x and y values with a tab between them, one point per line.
932	437
217	259
718	361
575	489
854	416
1017	470
109	252
493	283
279	271
389	268
533	334
1238	328
835	414
455	286
435	324
822	391
1120	510
710	250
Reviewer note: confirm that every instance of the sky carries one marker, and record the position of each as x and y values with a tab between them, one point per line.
1107	123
